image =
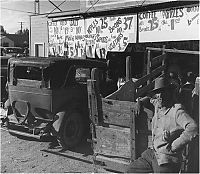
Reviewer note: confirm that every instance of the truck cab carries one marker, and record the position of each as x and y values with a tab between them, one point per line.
49	96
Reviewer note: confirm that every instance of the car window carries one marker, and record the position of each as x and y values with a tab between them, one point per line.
14	50
28	72
82	74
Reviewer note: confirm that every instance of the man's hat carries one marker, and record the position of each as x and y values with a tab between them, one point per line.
161	84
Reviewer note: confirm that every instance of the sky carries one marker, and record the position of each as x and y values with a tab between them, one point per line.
13	12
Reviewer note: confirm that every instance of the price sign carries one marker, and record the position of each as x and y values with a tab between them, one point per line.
173	24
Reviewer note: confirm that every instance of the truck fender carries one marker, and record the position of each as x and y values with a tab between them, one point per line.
58	122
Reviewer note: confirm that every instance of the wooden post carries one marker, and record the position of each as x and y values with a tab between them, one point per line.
163	61
148	64
128	68
92	101
93	114
132	133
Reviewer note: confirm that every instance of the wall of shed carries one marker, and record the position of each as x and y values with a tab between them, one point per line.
38	33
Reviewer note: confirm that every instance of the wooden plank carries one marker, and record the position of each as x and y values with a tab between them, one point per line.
124	93
117	112
125	104
113	164
132	138
128	68
29	83
158	59
151	75
173	50
92	101
163	61
113	141
148	65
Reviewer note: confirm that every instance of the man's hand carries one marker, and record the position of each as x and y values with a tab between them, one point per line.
166	135
138	107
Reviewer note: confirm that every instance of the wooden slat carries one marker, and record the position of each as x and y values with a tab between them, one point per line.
125	93
173	50
92	101
113	164
125	104
128	68
113	141
148	65
117	112
132	138
158	59
29	83
147	77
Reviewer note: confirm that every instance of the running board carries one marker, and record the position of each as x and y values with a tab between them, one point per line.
22	133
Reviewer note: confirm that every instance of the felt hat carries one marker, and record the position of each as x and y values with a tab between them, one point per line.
161	83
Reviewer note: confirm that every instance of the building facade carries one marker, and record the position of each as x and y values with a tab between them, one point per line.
6	42
94	28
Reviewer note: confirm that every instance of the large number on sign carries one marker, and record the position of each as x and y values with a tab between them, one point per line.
104	24
153	24
128	22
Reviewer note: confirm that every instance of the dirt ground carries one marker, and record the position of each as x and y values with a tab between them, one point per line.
27	155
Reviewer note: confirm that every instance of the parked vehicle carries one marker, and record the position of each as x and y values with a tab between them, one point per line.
4	65
12	51
49	96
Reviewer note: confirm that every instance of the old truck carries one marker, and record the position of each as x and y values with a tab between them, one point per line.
48	96
118	135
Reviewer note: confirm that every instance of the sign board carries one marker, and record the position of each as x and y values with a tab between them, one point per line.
109	34
173	24
91	37
66	38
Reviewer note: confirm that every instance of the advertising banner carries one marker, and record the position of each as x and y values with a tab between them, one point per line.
109	34
66	38
173	24
92	37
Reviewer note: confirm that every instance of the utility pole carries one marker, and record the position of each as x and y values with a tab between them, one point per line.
21	24
37	6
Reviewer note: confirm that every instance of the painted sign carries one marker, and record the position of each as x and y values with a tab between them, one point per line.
173	24
66	38
92	37
109	34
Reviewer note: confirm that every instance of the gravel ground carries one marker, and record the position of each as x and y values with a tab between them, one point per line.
26	155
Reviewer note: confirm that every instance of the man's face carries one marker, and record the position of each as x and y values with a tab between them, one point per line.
161	99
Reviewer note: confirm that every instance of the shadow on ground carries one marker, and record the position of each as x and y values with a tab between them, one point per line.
83	148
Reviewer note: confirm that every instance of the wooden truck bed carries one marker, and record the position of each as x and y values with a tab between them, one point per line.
118	135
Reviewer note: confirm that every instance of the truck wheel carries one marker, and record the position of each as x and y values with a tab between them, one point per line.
72	130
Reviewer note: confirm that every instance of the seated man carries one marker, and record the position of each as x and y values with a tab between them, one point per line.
172	129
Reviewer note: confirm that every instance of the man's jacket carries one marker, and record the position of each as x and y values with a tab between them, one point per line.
172	129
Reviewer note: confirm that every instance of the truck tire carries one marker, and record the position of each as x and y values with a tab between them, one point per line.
72	130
